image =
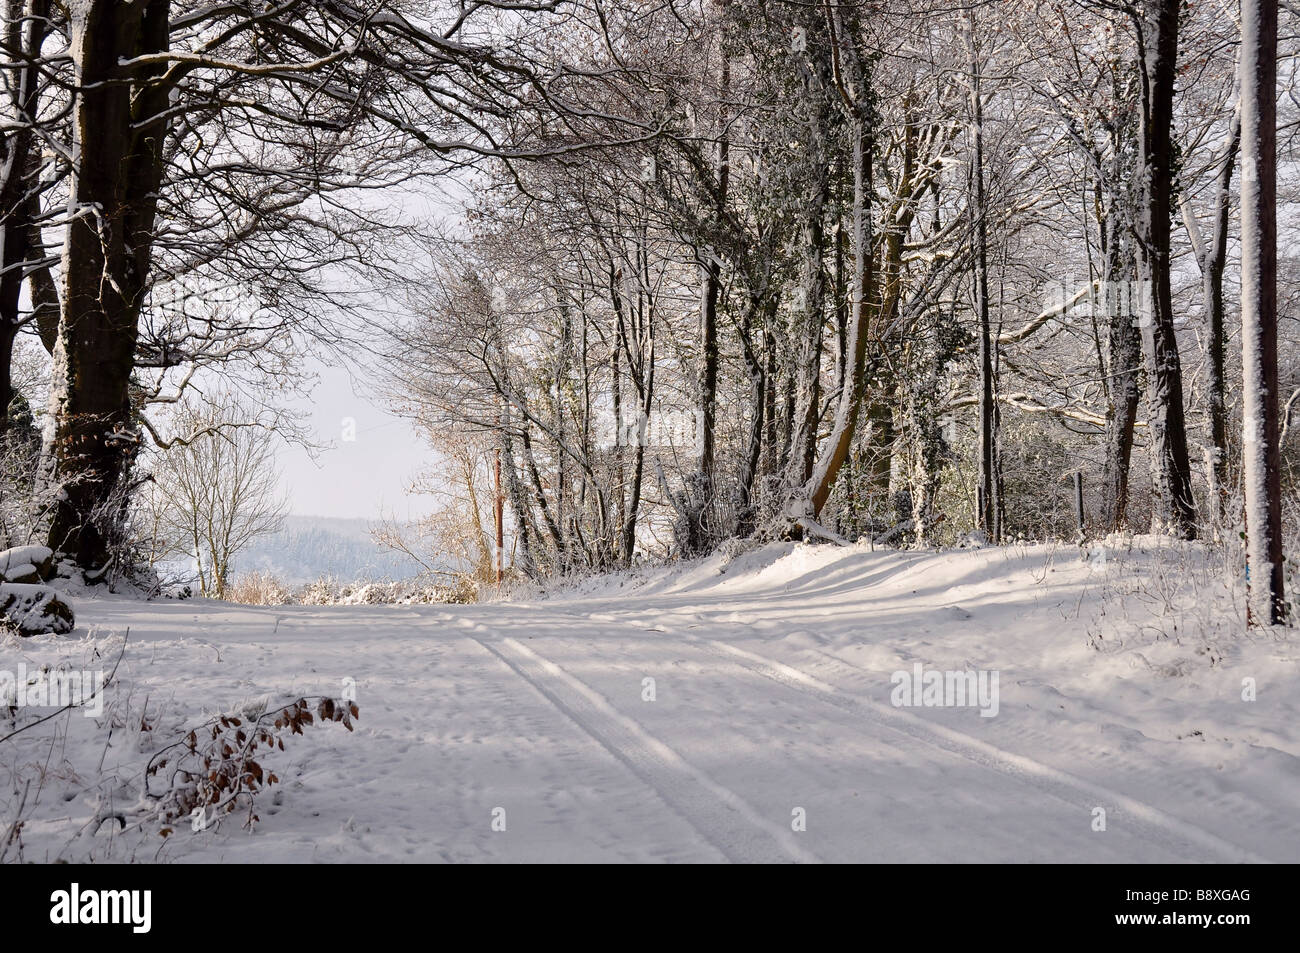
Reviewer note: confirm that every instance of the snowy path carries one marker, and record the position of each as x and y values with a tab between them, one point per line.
771	698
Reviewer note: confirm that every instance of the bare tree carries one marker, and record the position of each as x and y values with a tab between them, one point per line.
215	490
455	541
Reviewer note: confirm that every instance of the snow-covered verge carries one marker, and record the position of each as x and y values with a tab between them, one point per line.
740	707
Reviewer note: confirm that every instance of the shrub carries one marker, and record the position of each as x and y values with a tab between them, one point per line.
258	589
213	768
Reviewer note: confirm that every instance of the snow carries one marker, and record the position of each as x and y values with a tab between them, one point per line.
22	560
30	608
1120	674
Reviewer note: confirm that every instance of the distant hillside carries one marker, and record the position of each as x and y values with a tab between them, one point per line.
309	547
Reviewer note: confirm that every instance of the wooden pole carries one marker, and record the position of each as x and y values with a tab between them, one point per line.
499	506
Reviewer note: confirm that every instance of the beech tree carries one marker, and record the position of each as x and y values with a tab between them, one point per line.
1157	27
1262	458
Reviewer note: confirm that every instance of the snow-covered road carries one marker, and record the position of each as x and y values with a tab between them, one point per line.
737	711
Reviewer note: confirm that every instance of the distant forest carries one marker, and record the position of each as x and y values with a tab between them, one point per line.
308	547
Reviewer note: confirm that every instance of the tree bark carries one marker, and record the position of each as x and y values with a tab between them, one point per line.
26	25
700	499
988	506
1174	510
524	530
1124	372
853	385
1266	603
810	313
119	126
854	82
760	388
1124	339
1212	257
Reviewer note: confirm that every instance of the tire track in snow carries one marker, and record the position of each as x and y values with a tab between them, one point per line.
722	817
1140	818
1143	819
1152	823
1254	813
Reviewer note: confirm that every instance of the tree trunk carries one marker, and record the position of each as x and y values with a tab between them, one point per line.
854	83
14	243
1216	347
810	304
988	505
119	126
524	530
1266	604
1125	349
1174	510
760	388
700	498
8	332
853	384
1211	257
26	26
